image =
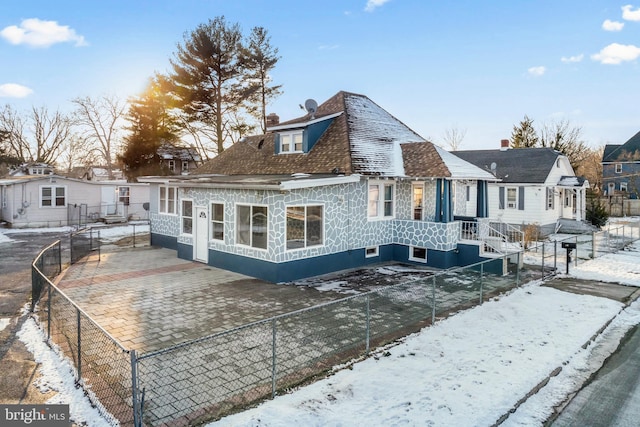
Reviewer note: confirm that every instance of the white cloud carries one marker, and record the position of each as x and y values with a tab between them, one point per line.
571	59
373	4
537	71
328	46
13	90
629	14
37	33
609	25
616	53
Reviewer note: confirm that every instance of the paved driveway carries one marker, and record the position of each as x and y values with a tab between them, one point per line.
148	299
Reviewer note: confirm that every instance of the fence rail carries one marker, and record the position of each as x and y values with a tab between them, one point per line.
214	375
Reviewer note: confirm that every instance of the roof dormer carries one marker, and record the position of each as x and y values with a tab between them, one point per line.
300	137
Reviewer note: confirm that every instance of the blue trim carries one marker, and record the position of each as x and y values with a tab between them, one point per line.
185	251
313	132
163	241
438	216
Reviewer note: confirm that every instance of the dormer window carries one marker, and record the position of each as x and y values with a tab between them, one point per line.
291	142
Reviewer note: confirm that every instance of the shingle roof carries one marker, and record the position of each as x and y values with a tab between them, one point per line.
630	150
363	139
517	165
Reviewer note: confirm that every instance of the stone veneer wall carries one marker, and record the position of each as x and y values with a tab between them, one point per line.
345	213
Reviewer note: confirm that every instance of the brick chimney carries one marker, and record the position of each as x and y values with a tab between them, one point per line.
273	119
504	144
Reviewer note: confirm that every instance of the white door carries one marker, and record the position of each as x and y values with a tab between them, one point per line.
201	234
108	200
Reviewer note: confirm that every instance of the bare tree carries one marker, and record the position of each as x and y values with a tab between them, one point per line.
591	168
453	137
76	152
100	121
565	138
36	137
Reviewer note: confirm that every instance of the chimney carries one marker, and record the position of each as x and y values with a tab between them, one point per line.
504	144
272	119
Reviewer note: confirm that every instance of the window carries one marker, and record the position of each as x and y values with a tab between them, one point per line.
172	165
381	200
417	254
511	198
550	198
305	226
185	165
418	195
123	195
52	196
217	221
187	217
371	252
168	200
618	167
251	226
568	198
623	186
291	142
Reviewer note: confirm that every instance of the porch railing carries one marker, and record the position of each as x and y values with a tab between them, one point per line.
496	238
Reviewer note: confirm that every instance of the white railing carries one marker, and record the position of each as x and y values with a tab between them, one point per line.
493	239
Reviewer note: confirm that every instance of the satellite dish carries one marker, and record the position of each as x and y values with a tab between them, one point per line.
311	106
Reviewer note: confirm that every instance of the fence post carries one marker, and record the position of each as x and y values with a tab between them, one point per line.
433	310
368	326
273	359
481	280
576	257
71	248
555	255
48	310
137	409
518	270
134	235
593	244
79	345
543	260
59	256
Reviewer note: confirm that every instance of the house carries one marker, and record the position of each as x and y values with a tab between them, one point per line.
621	168
53	200
537	186
179	159
95	173
344	186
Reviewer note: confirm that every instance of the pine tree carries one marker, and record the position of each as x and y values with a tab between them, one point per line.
524	135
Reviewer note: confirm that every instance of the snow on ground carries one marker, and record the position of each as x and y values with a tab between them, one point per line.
469	369
4	322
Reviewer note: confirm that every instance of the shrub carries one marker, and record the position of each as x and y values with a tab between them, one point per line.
597	213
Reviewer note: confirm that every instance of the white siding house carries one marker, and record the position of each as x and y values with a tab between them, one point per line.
50	201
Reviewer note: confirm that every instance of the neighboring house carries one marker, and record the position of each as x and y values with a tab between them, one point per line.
621	168
95	173
344	186
32	169
179	160
43	201
537	186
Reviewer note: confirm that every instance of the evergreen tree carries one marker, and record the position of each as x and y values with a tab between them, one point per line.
524	135
206	76
151	125
259	58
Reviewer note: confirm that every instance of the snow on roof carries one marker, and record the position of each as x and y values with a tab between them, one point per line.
375	137
461	169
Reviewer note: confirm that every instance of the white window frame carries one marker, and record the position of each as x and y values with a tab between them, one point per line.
183	217
305	228
618	167
288	142
568	198
508	205
215	221
251	243
53	198
372	251
163	206
413	202
124	195
185	165
380	203
412	256
551	198
624	186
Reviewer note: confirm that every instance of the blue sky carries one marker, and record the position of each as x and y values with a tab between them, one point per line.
475	66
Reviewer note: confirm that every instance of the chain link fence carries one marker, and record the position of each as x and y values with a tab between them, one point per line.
215	375
212	376
103	367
